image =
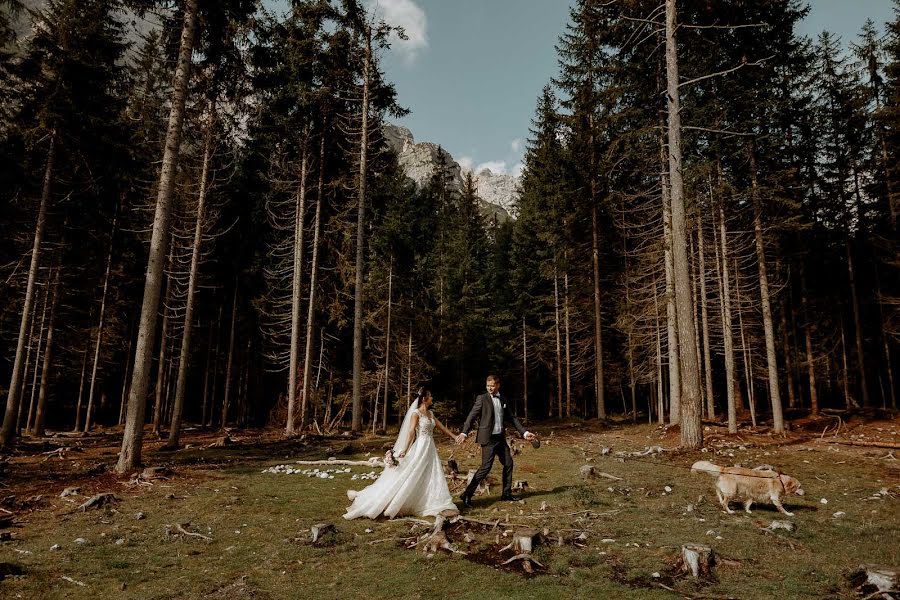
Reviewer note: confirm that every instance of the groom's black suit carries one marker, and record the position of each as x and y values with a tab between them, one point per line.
491	444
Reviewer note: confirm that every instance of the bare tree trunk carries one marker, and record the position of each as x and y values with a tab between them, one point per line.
209	354
598	329
788	367
707	358
768	327
524	371
727	330
39	417
889	366
162	366
568	346
691	429
845	374
25	371
671	310
559	384
215	375
188	328
360	239
697	319
745	347
858	327
296	291
123	402
313	285
228	364
90	405
661	414
387	347
130	456
37	360
409	370
8	431
81	389
810	362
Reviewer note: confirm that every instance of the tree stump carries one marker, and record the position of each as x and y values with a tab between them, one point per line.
871	578
587	472
698	560
98	500
320	531
523	541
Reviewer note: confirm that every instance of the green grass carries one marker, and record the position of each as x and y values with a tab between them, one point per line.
259	528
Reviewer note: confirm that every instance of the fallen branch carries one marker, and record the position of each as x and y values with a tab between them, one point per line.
891	445
179	528
75	581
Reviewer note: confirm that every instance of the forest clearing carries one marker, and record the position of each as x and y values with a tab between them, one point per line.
214	524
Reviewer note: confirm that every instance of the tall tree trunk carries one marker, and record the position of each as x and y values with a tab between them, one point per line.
226	402
77	428
360	239
387	348
184	359
671	310
691	429
8	431
768	327
524	371
123	401
37	359
745	347
598	328
39	417
568	346
313	285
25	370
694	303
704	316
130	456
215	375
559	379
788	367
727	328
889	365
845	374
296	290
807	330
162	369
90	404
209	354
857	326
659	372
409	370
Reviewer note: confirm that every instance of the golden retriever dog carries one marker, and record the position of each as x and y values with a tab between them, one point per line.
749	485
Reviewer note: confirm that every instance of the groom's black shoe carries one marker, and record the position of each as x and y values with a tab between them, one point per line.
509	498
466	501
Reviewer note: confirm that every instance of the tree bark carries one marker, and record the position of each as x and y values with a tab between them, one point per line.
360	239
559	379
39	417
226	401
90	404
184	359
671	310
162	364
387	348
768	327
8	431
598	328
123	402
296	290
707	358
130	455
37	360
745	347
568	346
524	371
691	429
863	384
727	328
313	285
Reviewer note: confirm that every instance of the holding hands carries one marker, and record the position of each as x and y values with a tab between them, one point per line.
461	438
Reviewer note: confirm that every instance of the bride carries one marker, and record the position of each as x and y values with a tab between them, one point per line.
417	485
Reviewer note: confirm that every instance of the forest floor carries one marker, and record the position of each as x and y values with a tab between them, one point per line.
217	526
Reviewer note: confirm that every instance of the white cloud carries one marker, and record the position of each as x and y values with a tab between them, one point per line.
516	145
517	170
465	163
408	15
497	167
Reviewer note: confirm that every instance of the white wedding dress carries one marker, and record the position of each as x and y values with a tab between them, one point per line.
416	486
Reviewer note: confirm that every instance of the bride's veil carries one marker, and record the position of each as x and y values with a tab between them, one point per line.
402	436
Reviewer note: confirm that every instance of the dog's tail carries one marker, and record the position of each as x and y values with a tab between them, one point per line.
704	466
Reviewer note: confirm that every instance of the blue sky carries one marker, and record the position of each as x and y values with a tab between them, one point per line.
473	69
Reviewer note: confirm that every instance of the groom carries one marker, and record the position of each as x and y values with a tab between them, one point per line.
491	411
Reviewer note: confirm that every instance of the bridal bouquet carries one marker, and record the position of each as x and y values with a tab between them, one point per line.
389	460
